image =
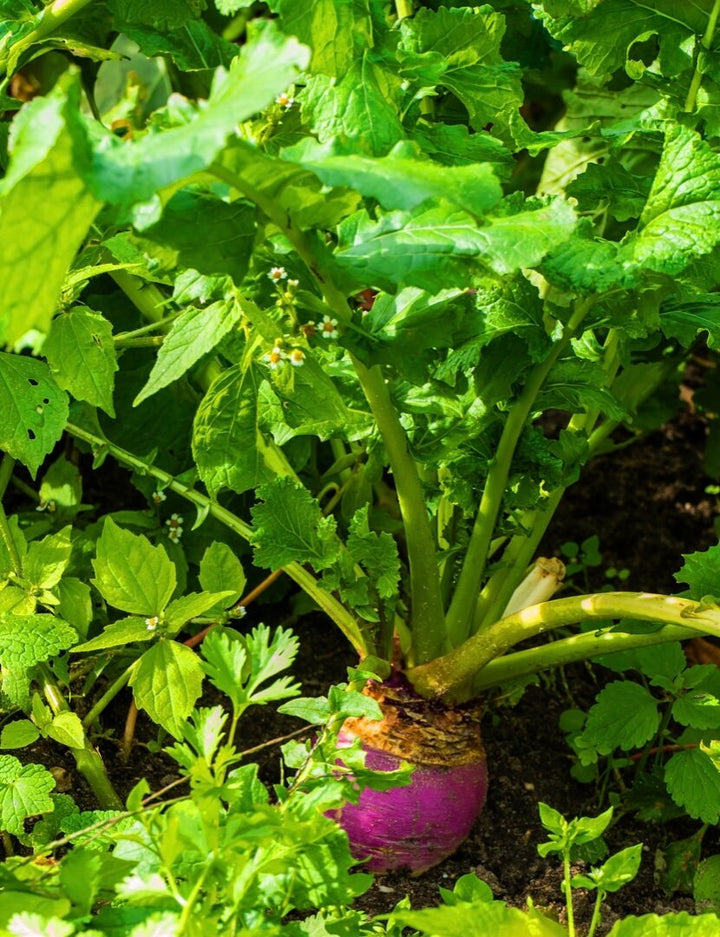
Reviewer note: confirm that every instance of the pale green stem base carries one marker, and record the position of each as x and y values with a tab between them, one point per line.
448	676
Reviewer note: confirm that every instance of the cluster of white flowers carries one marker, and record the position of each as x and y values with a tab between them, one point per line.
174	523
275	357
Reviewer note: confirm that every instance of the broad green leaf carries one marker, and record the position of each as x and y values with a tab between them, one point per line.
119	633
307	403
33	409
624	192
683	319
26	640
363	105
45	208
681	219
701	572
166	683
130	573
479	919
227	442
194	47
459	49
434	246
698	709
454	145
19	734
401	180
693	781
164	14
289	527
127	172
62	485
285	186
681	924
576	385
221	570
180	611
603	38
47	559
625	716
24	792
193	334
75	604
332	29
82	359
206	233
67	729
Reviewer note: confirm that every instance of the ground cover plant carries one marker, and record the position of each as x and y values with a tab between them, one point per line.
354	290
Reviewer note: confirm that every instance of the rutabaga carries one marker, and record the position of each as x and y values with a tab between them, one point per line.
322	289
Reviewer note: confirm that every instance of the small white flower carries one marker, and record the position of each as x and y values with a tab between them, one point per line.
277	273
275	357
297	357
152	623
328	327
285	100
175	520
239	611
46	506
159	496
175	533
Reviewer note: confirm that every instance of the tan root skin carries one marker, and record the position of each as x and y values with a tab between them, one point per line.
418	731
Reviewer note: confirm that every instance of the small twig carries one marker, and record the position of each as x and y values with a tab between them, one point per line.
662	748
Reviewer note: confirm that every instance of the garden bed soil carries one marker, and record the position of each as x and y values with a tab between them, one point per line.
648	504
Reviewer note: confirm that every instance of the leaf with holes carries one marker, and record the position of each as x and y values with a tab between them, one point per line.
33	410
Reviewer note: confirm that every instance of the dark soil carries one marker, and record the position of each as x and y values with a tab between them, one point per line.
647	503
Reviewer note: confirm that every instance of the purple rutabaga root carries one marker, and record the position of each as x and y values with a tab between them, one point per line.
417	826
421	824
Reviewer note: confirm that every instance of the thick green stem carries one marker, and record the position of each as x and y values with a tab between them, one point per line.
706	41
521	549
570	650
443	677
88	760
305	579
147	297
54	15
427	610
426	604
462	607
108	696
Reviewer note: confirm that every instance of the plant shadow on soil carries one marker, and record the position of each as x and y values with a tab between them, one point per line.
647	503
